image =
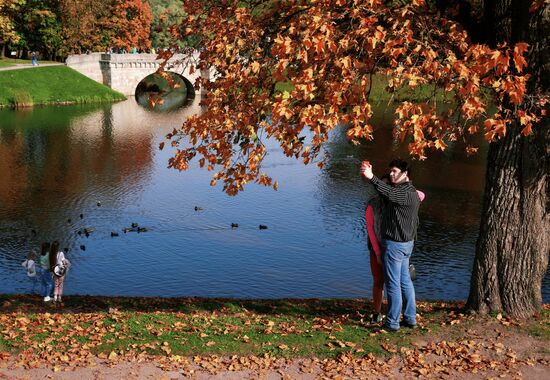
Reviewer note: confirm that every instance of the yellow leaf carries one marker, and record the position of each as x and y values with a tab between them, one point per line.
255	67
440	144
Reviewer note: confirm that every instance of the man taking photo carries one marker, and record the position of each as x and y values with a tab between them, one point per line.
399	224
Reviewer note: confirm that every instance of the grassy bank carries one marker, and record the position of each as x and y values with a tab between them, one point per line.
378	91
51	85
169	331
4	63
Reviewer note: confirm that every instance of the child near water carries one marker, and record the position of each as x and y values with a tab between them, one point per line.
58	266
45	274
30	266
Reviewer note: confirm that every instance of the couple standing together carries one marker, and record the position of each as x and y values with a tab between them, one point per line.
392	219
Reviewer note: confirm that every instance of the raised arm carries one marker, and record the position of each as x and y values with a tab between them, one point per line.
396	194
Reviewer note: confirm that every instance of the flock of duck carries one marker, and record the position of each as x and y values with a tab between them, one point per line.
235	225
135	227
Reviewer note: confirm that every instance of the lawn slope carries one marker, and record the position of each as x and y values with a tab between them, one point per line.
51	85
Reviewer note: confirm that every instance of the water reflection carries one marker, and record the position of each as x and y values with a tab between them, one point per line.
59	162
162	93
70	157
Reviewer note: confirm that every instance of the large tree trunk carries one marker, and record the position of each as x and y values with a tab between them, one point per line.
514	239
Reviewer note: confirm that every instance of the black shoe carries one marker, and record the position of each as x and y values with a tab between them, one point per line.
386	328
409	325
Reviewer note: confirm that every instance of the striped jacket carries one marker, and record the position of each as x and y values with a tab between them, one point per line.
400	217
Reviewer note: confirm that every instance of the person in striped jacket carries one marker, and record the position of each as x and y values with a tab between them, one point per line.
399	224
373	223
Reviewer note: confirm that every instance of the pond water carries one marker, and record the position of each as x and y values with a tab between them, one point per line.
59	162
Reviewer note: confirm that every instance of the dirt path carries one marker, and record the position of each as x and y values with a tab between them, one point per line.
28	65
286	369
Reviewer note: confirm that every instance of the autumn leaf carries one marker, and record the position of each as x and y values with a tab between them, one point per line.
388	348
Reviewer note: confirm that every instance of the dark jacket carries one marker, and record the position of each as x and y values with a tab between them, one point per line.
400	217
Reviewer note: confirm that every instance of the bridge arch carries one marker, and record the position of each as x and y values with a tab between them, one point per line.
164	92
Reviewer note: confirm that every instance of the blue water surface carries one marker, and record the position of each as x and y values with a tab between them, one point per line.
103	162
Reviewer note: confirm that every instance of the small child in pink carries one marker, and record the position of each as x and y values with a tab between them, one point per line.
58	266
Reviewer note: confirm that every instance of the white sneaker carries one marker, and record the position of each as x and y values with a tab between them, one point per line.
47	299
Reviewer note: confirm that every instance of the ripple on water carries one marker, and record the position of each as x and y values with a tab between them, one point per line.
314	246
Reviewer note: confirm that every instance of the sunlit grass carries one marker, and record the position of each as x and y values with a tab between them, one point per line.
51	85
378	92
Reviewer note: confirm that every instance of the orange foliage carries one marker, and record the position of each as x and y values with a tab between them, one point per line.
131	24
81	21
328	50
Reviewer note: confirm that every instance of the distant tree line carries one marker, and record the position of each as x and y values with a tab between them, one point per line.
57	28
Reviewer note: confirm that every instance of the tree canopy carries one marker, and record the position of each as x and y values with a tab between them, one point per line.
293	70
326	52
8	8
58	28
167	14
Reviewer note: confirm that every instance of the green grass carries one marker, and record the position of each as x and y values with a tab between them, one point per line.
379	94
542	328
240	334
51	85
187	327
192	326
7	62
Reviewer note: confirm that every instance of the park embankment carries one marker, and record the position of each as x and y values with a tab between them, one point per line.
192	337
51	85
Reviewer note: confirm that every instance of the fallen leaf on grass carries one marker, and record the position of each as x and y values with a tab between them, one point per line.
388	348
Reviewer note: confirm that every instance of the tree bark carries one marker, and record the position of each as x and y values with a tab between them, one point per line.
514	239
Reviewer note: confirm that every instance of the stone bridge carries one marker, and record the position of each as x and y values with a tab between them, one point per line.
123	72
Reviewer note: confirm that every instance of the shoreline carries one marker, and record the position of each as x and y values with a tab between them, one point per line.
55	104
